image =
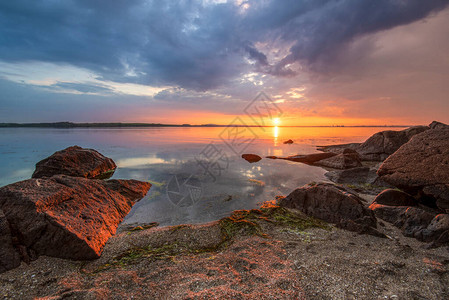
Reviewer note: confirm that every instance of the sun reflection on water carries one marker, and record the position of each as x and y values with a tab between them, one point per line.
275	135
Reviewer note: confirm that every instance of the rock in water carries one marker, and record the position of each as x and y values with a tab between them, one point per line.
306	159
288	142
395	198
338	149
332	204
76	161
382	144
9	257
251	158
346	160
421	167
68	217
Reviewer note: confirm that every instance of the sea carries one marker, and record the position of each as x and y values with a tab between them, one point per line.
197	173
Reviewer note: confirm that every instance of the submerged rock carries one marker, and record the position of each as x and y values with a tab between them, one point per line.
68	217
421	167
76	161
251	158
9	257
333	204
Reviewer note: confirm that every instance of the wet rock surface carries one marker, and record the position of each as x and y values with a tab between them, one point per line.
68	217
421	167
77	162
332	204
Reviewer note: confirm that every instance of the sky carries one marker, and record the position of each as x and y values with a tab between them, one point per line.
321	62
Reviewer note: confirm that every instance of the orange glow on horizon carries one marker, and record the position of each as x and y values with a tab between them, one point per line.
195	117
202	118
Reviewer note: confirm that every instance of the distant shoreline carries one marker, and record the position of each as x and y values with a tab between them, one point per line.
134	125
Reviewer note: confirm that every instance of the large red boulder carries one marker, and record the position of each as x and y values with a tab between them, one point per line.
76	161
332	204
421	167
68	217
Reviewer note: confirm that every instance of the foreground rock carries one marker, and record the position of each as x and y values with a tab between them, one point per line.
67	217
332	204
76	161
251	158
421	168
346	160
266	258
9	257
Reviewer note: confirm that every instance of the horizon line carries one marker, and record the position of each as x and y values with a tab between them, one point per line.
138	124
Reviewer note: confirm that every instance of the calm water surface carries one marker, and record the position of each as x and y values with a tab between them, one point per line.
197	173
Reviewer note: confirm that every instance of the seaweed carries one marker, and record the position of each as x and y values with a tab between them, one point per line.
240	223
143	227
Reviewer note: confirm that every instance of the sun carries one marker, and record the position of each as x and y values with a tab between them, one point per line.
276	121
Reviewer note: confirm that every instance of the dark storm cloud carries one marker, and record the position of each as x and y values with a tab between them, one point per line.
189	43
321	33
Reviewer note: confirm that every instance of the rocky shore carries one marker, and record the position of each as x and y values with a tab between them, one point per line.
380	231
